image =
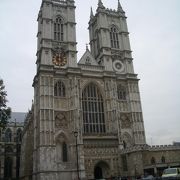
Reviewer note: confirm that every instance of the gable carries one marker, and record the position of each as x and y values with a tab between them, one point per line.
88	59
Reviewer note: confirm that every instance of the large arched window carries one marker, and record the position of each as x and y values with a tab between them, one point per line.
93	110
58	29
59	89
114	37
121	92
8	135
19	135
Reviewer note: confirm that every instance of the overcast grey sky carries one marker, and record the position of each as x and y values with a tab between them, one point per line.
154	27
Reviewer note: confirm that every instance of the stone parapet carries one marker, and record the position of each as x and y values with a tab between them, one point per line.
12	124
163	147
146	147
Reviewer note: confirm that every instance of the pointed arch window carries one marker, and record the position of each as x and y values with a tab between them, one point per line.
59	89
19	135
93	110
8	135
61	148
64	152
59	29
121	92
114	37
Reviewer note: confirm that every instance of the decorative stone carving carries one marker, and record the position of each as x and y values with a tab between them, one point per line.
125	121
60	121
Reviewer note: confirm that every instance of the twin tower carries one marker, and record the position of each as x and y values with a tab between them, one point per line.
87	111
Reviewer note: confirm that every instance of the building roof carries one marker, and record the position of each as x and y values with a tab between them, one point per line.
176	143
18	117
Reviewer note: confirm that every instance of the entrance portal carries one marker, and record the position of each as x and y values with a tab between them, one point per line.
101	170
98	173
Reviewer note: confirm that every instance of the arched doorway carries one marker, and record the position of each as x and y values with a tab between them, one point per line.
98	173
101	170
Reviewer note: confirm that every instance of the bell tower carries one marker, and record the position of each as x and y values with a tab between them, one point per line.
54	120
57	34
110	47
109	39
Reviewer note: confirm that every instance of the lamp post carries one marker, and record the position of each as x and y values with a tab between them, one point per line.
76	135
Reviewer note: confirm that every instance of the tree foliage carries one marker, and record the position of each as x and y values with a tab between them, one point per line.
5	112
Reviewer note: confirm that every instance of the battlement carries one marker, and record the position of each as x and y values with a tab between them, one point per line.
164	147
146	147
113	12
63	2
59	2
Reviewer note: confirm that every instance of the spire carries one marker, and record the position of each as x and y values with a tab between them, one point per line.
100	4
91	14
87	47
120	7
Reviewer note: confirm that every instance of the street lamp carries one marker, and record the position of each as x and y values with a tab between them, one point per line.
76	135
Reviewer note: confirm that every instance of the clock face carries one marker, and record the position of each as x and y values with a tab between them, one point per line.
118	66
59	59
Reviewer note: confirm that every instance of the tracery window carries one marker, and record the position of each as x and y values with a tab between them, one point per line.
58	29
64	152
59	89
114	37
8	135
121	92
93	110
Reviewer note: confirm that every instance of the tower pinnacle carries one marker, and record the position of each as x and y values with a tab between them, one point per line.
91	14
120	7
100	4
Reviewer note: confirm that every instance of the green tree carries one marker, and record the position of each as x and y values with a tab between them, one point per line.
5	112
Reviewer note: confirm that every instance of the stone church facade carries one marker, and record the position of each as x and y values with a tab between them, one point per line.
96	97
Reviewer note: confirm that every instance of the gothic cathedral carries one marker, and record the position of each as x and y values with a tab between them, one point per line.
87	111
